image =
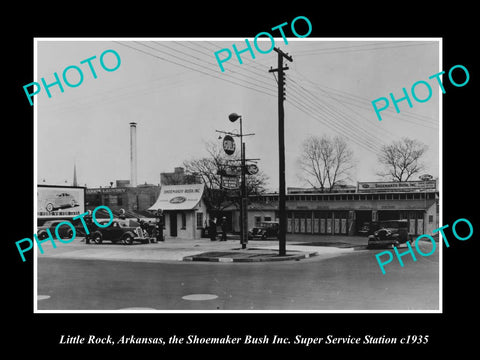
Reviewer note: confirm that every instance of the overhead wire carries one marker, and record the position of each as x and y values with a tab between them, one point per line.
349	49
304	96
213	64
340	127
315	115
196	64
338	114
312	102
195	69
337	126
359	101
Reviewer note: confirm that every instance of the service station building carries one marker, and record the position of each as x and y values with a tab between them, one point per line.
344	213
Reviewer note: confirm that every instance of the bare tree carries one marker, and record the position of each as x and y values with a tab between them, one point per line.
207	169
402	159
326	161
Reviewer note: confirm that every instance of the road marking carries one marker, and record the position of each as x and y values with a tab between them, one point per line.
43	297
199	297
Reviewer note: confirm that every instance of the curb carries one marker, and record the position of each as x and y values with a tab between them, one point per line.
257	258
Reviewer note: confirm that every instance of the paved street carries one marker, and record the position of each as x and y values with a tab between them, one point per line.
347	278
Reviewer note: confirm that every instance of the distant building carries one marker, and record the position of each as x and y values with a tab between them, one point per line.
344	212
178	177
134	200
336	189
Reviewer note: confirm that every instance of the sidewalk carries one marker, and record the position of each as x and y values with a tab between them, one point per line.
298	247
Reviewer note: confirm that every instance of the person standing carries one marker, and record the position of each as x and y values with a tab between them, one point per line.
224	229
89	225
212	229
159	225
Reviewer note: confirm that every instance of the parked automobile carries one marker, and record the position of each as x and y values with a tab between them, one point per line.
267	229
365	229
125	231
389	234
60	201
64	231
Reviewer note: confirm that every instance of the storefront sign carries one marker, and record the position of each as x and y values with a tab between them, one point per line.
178	197
229	182
106	190
396	186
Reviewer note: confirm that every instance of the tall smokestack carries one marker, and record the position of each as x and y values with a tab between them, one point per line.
133	154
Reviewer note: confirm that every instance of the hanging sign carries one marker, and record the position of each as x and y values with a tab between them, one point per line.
252	169
228	145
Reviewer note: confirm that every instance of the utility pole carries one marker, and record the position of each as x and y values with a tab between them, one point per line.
282	213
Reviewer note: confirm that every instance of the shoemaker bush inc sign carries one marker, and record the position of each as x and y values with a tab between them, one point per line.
26	244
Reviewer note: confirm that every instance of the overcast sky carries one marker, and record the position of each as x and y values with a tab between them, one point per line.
178	96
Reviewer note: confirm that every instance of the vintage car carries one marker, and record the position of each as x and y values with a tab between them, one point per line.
267	229
60	201
124	231
389	234
365	229
64	231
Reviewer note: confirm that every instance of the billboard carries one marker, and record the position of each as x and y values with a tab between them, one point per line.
60	201
396	186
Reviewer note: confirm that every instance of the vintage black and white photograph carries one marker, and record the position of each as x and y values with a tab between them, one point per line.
264	174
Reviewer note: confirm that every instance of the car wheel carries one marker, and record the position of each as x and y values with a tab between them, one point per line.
127	239
264	237
70	234
42	235
97	238
49	207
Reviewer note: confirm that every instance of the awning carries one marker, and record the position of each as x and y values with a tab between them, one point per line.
178	197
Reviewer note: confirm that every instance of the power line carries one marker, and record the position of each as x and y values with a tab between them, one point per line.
366	103
258	72
327	108
200	65
341	116
194	69
214	64
306	109
348	49
344	129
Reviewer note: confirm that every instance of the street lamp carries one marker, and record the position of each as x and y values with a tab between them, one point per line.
243	190
227	147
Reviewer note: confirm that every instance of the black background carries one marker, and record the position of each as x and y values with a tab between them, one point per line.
23	330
